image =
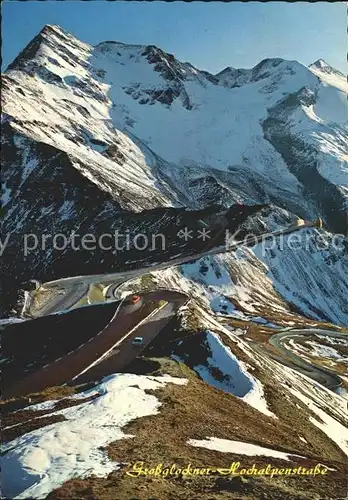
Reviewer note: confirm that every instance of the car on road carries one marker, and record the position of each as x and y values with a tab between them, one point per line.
138	341
133	299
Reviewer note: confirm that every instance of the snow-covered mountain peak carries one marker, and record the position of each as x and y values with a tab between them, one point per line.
265	67
329	75
52	39
149	73
323	66
56	30
272	73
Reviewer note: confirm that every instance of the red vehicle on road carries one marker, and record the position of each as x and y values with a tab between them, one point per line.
132	299
135	299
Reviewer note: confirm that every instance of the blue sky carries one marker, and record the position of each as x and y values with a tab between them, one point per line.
209	35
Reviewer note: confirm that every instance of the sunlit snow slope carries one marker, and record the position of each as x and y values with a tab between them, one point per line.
134	121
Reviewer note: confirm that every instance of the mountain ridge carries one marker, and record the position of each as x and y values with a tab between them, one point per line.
49	29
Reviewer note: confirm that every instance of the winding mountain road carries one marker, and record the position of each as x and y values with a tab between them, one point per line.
103	352
109	350
322	375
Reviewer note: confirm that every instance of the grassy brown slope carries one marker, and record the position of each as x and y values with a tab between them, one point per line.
196	411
